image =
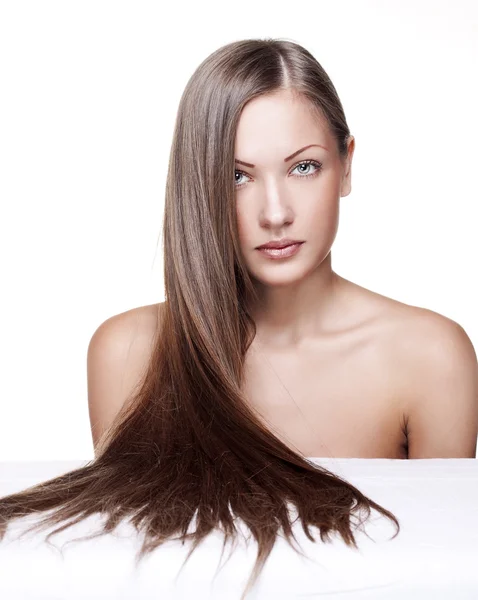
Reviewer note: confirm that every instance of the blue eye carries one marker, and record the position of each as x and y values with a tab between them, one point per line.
314	163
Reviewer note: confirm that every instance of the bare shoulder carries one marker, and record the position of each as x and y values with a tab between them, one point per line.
422	340
127	339
411	333
118	355
131	330
436	370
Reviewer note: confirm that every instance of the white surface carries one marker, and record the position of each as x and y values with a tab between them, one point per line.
434	556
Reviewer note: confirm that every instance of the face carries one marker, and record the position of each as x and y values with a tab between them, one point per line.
297	198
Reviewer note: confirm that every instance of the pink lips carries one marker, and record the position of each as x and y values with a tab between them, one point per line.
282	243
284	252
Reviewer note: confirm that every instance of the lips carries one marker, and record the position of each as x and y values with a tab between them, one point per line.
279	244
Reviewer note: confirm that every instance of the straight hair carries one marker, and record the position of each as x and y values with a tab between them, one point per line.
186	444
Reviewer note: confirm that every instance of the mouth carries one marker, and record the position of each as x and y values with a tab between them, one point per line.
284	252
279	245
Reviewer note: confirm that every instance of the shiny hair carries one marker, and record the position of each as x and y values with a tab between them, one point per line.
186	443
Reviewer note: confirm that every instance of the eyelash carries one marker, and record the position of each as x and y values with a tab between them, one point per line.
315	163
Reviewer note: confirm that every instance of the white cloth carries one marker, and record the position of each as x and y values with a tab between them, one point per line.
435	555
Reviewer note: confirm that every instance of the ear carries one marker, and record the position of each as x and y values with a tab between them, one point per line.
346	186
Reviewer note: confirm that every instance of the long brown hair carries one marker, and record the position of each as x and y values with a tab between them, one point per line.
187	443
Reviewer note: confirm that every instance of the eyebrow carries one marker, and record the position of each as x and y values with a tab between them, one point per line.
285	159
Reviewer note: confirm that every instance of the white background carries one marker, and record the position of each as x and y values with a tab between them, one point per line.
89	94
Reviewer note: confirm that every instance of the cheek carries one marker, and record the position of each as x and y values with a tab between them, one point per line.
325	212
319	215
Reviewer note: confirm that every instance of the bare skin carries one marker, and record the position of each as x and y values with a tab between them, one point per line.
382	379
337	396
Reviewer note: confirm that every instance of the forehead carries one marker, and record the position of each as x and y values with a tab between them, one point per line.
279	123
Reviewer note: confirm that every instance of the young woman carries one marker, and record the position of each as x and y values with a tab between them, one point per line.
210	404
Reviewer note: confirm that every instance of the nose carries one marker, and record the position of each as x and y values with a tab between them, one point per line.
276	210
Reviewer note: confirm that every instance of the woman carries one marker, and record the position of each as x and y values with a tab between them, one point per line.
191	431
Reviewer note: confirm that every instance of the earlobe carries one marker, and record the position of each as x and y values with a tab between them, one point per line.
346	187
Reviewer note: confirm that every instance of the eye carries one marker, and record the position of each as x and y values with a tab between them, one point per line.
308	163
240	173
305	163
